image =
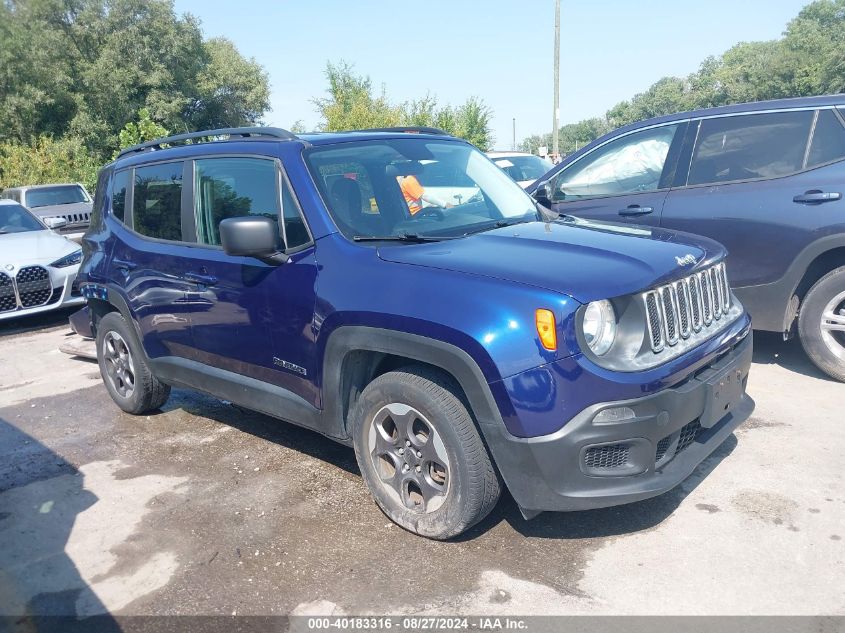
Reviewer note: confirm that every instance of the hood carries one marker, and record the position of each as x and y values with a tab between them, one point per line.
33	247
584	259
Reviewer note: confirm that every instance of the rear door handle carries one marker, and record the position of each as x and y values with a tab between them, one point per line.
202	280
634	210
814	196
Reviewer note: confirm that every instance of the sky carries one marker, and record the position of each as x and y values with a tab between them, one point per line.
498	50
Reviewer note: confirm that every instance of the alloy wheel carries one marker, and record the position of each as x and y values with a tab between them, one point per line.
833	325
409	457
119	366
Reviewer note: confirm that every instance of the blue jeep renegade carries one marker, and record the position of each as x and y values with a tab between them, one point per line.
394	290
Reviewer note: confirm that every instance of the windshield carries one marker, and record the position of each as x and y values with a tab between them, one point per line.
15	219
522	168
49	196
426	188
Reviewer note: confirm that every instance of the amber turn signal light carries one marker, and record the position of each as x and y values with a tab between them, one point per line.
546	329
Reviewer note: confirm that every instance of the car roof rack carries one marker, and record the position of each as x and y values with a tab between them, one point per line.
407	129
237	132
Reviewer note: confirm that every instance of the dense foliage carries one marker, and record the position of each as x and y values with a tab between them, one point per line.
352	104
74	72
808	60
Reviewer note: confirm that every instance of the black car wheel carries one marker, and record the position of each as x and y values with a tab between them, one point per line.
821	324
421	455
125	373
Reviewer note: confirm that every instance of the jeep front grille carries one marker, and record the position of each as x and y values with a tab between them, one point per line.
690	307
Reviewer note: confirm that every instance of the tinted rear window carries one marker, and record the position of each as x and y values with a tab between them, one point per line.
750	147
157	201
48	196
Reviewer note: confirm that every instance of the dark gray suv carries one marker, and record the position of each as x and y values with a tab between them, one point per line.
765	179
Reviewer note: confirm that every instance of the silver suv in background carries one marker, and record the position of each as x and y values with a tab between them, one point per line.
69	201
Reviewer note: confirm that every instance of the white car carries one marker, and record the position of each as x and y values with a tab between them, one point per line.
37	267
523	167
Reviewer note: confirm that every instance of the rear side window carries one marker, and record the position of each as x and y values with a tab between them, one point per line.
828	142
233	187
120	185
750	147
157	201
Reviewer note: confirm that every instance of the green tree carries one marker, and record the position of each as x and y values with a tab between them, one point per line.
47	160
144	130
352	104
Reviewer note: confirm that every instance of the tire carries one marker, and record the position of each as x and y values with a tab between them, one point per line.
124	370
420	453
822	311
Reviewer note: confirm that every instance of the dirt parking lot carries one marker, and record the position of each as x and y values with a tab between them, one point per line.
207	509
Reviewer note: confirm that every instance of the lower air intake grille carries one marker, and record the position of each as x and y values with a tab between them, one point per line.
662	447
34	287
610	456
688	434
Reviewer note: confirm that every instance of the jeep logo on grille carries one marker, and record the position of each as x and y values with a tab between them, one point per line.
686	260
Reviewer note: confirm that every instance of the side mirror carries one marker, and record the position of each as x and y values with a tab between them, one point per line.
55	223
252	236
543	194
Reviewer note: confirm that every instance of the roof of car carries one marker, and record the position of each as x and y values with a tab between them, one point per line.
751	106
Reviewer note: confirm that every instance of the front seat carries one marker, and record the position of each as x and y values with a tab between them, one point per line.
346	201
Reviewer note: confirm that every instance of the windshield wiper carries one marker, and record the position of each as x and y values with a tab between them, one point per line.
500	224
402	237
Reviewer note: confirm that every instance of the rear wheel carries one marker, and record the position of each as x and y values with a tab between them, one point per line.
821	324
421	455
125	373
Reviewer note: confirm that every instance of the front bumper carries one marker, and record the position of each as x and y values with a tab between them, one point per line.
592	463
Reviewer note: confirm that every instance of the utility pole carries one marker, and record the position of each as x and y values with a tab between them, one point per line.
513	147
556	124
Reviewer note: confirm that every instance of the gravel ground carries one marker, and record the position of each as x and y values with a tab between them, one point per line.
207	509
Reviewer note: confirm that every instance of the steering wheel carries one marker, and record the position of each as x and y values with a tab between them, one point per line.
435	212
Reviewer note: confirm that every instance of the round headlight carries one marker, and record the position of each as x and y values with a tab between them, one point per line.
599	326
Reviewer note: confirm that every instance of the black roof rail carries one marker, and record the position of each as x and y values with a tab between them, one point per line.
240	132
408	129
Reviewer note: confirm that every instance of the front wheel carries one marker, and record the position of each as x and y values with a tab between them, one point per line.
821	324
420	454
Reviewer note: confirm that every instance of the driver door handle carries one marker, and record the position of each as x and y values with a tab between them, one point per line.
634	210
814	196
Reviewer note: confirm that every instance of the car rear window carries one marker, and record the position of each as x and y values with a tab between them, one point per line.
750	147
157	201
60	194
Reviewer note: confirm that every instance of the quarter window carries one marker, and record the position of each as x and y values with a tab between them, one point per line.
157	201
296	234
118	196
828	142
630	164
749	147
233	187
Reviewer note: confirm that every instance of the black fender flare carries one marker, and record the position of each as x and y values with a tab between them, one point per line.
452	359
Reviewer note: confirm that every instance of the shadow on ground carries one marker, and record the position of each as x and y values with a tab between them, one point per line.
771	349
35	322
604	522
41	495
